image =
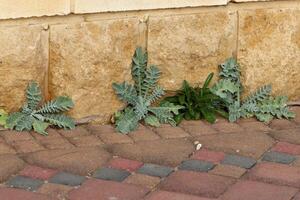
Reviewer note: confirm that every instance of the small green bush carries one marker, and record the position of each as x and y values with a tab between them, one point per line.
259	104
198	103
140	95
31	116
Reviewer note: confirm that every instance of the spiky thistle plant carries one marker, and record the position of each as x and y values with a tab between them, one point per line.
31	116
259	104
141	95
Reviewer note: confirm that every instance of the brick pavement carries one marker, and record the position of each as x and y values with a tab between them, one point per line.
247	160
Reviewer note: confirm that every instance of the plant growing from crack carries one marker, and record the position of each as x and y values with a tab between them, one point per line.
141	95
259	104
31	116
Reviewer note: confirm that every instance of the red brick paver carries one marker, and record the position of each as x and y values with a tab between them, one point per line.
207	155
164	195
276	173
107	190
289	148
37	172
250	190
125	164
17	194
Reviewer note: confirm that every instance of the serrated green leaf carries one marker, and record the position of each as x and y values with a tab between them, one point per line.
127	121
40	127
152	121
60	104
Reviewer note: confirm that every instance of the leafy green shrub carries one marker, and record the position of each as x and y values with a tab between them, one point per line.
31	116
259	104
140	95
198	103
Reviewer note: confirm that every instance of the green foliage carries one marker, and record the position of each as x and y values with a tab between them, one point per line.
259	104
39	118
3	117
198	103
141	95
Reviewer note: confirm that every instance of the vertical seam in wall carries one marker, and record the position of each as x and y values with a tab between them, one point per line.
237	33
72	6
147	33
47	93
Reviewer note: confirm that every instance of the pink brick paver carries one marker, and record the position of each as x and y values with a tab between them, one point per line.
18	194
276	173
107	190
289	148
207	155
194	183
251	190
164	195
37	172
125	164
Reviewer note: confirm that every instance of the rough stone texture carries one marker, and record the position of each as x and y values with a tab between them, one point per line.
100	189
9	165
276	174
87	58
111	174
55	191
262	51
190	46
164	152
79	160
143	180
250	190
251	144
24	183
67	179
17	194
278	157
196	183
24	57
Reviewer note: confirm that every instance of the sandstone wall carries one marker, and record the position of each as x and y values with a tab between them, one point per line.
81	55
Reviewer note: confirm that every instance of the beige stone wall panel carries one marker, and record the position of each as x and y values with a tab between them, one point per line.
269	49
23	58
86	58
189	47
29	8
